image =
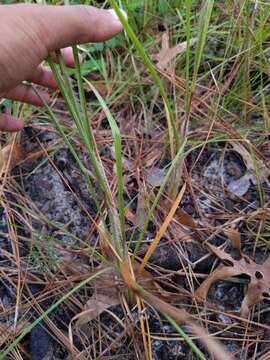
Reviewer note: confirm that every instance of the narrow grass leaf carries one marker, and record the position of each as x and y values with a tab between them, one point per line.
186	338
174	137
118	156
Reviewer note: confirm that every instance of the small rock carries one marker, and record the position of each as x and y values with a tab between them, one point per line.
224	319
240	187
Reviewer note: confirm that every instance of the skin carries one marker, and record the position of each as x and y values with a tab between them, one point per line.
30	32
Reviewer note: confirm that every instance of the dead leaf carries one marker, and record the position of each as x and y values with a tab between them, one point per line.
235	237
95	307
155	176
258	287
185	219
107	288
263	170
10	156
167	54
130	216
14	154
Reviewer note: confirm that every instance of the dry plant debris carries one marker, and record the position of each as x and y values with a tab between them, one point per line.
47	239
257	289
10	156
240	186
167	53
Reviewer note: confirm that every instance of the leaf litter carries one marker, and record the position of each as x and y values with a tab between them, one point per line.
258	287
241	186
167	53
104	294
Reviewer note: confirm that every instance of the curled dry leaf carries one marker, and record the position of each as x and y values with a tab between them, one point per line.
263	170
14	154
107	288
96	305
258	287
235	237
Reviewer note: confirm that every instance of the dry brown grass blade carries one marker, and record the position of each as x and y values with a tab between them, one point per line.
258	287
163	228
265	356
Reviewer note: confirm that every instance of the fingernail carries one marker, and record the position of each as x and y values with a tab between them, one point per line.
114	14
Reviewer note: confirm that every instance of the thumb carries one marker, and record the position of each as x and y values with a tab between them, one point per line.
62	26
28	33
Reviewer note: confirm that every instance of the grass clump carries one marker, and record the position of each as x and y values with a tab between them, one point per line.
157	149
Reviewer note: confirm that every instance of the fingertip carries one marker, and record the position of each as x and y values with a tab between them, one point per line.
9	123
67	54
78	24
24	93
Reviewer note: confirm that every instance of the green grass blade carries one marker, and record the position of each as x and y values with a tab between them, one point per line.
170	117
83	102
86	136
203	29
83	169
118	156
187	65
186	338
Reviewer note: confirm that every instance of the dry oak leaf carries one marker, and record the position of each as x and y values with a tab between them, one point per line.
259	274
10	156
167	54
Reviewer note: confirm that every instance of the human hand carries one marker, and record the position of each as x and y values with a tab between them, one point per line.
28	33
